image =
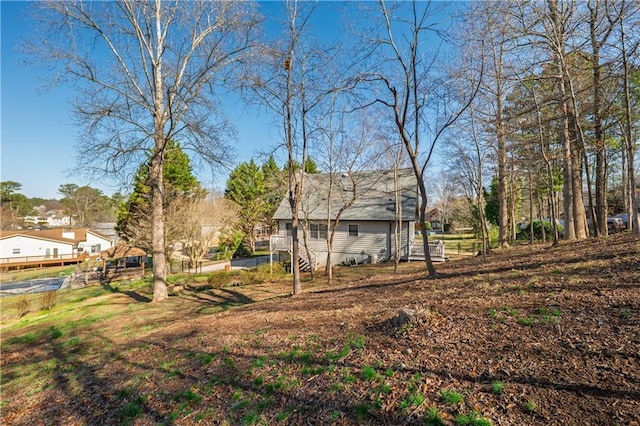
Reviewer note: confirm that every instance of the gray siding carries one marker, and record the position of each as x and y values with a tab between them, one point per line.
375	238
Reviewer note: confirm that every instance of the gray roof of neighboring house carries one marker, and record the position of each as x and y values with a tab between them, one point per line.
374	200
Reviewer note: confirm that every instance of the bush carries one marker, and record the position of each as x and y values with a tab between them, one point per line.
22	306
47	300
262	273
230	245
219	279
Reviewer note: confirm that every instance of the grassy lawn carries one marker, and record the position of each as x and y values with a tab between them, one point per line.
518	339
457	245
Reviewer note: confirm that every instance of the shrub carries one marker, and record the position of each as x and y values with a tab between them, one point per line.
219	279
230	245
22	306
47	300
262	273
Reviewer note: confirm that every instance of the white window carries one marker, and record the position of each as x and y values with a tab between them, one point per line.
16	251
318	231
95	249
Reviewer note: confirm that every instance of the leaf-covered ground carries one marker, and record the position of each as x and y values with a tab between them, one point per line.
533	336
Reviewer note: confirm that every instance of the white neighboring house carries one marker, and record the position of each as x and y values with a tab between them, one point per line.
366	230
60	243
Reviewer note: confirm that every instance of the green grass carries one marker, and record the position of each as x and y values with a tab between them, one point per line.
369	373
530	406
497	387
188	396
433	417
206	358
451	397
471	419
133	409
362	411
411	401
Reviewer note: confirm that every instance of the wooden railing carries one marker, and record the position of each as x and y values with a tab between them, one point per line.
280	243
37	259
436	250
285	243
19	262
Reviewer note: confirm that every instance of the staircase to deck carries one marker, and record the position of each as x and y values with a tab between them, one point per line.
285	243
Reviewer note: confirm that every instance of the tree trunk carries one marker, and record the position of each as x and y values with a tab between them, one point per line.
294	198
156	175
576	181
157	228
634	217
503	207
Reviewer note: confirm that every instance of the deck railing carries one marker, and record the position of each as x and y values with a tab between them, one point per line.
45	258
436	250
285	243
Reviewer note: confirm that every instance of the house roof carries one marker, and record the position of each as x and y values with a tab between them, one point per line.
324	194
122	250
54	234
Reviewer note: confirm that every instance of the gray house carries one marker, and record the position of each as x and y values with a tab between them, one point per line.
361	206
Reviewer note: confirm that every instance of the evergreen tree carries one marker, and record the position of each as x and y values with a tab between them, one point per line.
134	216
276	188
492	208
14	205
246	187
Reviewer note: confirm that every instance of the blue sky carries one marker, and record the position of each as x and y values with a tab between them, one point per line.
38	137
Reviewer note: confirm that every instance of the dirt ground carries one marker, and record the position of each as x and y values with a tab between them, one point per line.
533	336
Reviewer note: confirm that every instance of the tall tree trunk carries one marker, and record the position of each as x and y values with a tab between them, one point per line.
503	207
630	146
157	228
398	222
156	173
601	179
295	251
579	218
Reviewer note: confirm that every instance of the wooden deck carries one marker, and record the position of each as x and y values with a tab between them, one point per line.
436	251
25	262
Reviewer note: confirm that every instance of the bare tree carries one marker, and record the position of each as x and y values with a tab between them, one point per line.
409	84
550	27
280	87
446	192
294	82
146	72
486	26
203	221
470	154
344	148
629	44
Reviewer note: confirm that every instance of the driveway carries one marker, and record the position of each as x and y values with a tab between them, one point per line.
246	263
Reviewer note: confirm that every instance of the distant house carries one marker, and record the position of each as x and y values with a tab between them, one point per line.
41	246
108	229
366	229
434	217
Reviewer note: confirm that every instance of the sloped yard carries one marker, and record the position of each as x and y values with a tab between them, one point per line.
533	336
